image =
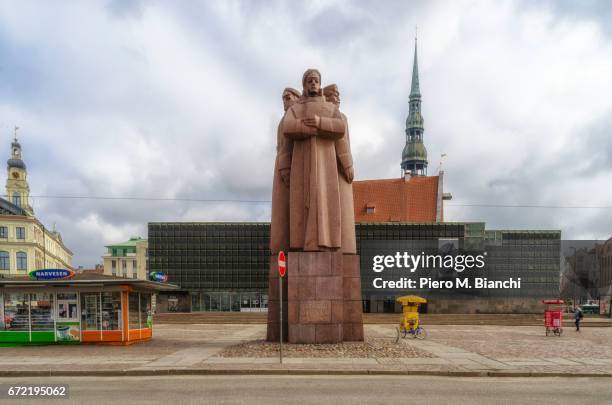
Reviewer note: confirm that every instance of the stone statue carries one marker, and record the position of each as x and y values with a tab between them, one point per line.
279	232
312	188
345	180
314	125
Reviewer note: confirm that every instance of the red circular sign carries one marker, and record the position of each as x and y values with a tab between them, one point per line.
282	264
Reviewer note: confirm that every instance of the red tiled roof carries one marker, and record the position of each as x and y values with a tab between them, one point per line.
414	200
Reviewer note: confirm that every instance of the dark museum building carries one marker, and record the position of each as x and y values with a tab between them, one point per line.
224	266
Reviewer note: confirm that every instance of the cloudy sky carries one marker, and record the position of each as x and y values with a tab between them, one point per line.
179	99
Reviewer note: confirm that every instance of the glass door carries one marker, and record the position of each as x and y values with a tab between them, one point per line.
90	311
67	325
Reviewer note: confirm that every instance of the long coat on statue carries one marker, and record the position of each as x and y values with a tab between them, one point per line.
345	160
314	194
279	229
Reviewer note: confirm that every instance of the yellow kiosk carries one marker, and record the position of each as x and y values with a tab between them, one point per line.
409	323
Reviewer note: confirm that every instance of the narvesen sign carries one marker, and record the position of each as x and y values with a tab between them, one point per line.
51	274
158	276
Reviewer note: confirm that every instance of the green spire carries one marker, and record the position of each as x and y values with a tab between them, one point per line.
414	155
415	91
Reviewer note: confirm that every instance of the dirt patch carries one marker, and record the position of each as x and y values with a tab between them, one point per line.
371	348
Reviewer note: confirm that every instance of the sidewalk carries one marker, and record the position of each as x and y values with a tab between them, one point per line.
448	350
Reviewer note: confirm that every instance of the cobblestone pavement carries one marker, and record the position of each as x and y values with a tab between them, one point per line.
447	348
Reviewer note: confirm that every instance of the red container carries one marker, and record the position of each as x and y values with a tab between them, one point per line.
553	317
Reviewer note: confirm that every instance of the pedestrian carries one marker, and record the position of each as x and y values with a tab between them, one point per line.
578	317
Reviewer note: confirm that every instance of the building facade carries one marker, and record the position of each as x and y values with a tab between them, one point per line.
128	259
224	266
605	277
25	243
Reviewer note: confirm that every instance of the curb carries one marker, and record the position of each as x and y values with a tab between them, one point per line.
284	371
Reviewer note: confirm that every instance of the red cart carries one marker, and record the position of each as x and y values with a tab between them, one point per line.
553	317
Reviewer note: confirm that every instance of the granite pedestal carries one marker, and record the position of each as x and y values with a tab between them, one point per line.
324	297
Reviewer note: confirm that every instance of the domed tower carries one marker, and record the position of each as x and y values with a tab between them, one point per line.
414	156
17	188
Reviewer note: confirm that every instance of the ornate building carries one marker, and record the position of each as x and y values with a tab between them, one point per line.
25	243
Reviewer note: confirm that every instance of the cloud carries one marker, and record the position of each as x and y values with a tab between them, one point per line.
182	100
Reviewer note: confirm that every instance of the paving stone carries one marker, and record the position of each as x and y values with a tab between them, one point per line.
563	362
424	361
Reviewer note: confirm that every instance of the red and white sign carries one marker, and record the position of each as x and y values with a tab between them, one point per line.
282	264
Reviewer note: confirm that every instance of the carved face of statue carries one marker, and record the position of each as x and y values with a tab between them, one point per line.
333	97
288	99
312	84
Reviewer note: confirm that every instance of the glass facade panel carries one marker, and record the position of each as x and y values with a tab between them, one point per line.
111	311
225	302
195	302
214	301
235	302
205	302
211	256
42	314
90	311
134	311
16	311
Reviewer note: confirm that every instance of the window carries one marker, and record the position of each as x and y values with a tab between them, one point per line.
22	261
41	311
134	310
90	313
20	232
111	310
17	199
5	263
16	311
3	231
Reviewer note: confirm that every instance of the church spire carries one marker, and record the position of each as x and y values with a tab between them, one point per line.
415	91
414	155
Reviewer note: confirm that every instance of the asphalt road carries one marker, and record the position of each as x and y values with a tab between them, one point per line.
323	390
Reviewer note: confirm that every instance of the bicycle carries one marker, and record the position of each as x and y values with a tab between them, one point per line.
416	333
